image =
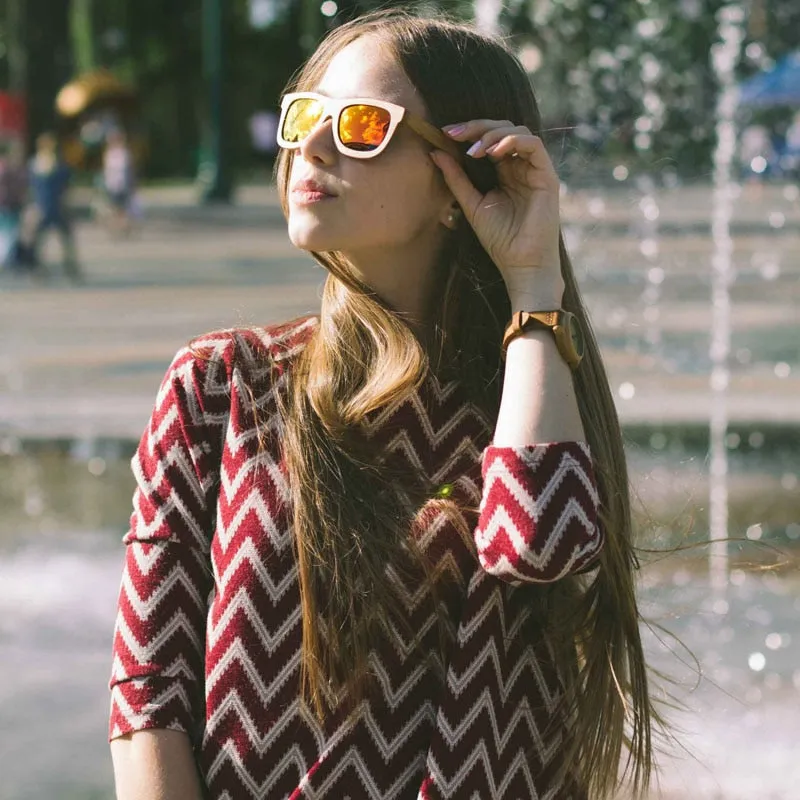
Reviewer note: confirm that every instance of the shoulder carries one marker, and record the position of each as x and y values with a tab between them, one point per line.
251	351
218	366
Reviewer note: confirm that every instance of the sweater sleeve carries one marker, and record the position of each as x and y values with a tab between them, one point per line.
159	636
538	514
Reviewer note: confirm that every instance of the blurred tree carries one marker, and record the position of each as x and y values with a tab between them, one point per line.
81	27
598	66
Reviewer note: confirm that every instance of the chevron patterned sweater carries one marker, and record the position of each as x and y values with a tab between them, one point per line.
208	631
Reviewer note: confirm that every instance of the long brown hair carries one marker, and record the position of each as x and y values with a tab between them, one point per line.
363	357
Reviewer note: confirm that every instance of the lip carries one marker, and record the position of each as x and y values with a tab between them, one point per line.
305	198
309	187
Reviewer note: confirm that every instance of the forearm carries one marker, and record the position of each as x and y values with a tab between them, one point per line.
538	402
155	765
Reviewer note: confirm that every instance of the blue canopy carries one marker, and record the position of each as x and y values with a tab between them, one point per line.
778	87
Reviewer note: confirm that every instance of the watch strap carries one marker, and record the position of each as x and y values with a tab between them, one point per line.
522	320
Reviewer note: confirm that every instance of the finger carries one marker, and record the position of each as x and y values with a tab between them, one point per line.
495	135
529	147
465	193
474	129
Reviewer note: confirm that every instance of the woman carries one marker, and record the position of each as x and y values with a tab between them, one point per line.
374	553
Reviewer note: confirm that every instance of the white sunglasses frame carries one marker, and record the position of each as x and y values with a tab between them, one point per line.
332	107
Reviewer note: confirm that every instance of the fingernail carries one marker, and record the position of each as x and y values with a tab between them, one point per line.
454	130
474	149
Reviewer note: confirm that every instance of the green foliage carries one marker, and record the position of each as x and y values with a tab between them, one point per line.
604	63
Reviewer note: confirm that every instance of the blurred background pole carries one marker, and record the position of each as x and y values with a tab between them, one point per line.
311	27
82	35
17	52
214	170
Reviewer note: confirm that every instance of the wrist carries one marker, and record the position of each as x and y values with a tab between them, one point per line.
535	295
535	301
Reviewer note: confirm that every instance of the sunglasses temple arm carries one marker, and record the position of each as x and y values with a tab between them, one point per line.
434	136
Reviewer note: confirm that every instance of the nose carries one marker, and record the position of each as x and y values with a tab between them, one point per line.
319	146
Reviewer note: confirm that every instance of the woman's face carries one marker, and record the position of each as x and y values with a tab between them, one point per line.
387	209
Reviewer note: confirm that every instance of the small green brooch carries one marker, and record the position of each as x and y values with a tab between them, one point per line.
445	490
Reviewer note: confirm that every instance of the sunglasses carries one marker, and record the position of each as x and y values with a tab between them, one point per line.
362	128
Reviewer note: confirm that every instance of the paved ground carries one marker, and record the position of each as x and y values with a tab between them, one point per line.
86	360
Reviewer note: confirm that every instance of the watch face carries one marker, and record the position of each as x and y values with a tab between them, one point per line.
575	334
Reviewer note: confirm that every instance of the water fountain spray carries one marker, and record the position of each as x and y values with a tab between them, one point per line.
724	57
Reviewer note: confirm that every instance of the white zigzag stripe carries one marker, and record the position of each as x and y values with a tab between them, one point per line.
501	520
354	760
143	653
402	444
253	503
294	714
522	715
394	697
228	753
535	506
144	607
174	501
467	629
519	764
249	552
179	668
237	653
241	601
461	683
138	719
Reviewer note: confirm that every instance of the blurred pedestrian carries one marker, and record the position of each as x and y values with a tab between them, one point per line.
13	194
118	180
49	180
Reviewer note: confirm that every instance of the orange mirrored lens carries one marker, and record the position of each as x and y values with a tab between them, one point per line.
363	127
301	117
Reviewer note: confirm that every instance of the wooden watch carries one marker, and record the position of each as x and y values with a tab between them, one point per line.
564	325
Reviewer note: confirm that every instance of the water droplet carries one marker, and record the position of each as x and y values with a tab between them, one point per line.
681	577
773	641
772	681
757	662
719	379
738	577
597	206
658	440
754	532
655	275
782	369
627	391
791	192
34	503
10	446
793	530
755	440
726	634
789	482
770	270
721	607
752	696
620	172
776	218
97	466
649	248
732	440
